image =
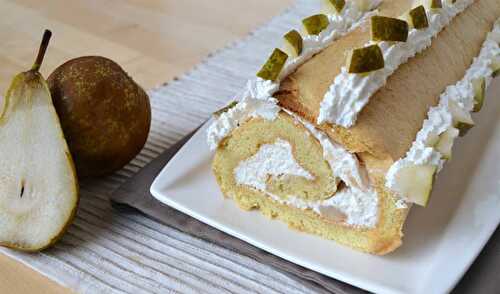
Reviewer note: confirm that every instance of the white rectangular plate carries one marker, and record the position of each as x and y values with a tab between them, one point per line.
441	241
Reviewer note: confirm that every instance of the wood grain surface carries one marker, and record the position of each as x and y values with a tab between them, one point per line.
153	40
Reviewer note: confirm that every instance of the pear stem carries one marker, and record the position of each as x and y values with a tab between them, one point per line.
41	52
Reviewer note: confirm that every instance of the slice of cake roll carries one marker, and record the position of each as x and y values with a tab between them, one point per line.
347	126
294	172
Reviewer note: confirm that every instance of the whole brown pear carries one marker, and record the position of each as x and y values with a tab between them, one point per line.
104	114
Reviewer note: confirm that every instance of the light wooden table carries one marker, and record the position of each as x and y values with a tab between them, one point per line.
153	40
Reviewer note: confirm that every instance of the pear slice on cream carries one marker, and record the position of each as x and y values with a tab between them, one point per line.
414	183
272	68
365	60
445	143
388	29
315	24
333	6
293	43
479	86
417	18
462	120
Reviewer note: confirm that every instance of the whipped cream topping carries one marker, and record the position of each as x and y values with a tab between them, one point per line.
247	108
350	205
274	160
349	93
256	99
440	117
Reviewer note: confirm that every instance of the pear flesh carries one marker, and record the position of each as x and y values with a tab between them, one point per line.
293	43
445	143
38	185
462	120
333	6
414	183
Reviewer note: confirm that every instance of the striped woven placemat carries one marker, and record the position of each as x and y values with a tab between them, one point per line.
107	251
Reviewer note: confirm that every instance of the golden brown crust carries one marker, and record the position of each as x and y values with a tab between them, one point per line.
388	124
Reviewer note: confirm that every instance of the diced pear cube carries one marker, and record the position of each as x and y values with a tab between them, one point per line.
272	68
435	4
462	120
315	24
388	29
479	86
445	143
366	59
414	183
418	18
333	6
293	43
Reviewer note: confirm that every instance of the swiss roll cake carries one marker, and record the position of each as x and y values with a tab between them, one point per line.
348	124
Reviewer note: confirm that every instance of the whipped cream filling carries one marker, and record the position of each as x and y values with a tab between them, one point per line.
350	205
256	100
349	93
440	117
274	160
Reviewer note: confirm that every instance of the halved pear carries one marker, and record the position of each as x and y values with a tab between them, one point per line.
445	143
388	29
225	108
414	183
495	67
38	184
364	60
418	18
479	86
333	6
293	43
462	120
315	24
272	68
